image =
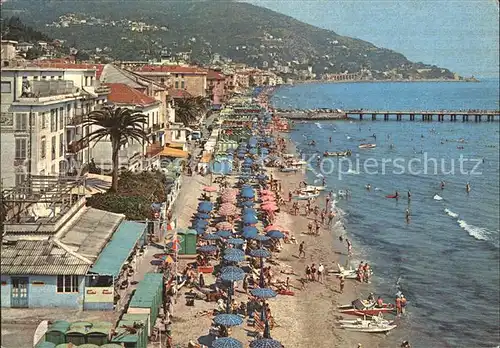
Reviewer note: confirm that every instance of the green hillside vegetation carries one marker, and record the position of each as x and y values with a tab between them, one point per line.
239	31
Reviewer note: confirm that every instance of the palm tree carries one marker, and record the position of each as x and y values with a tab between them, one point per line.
188	110
120	125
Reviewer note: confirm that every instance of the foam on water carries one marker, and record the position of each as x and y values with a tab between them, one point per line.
480	233
438	198
318	125
450	213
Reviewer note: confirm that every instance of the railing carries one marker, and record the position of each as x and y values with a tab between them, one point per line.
156	127
75	120
76	146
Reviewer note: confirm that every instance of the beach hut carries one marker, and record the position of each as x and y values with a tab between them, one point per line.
45	344
77	333
99	333
135	338
187	241
139	317
56	332
147	299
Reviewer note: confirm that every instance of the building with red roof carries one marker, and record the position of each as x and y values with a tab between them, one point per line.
216	90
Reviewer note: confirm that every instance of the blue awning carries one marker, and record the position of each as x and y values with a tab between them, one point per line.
118	249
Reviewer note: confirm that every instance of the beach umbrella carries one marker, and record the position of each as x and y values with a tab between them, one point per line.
228	320
233	257
208	248
224	233
275	234
269	207
248	210
268	198
236	241
253	151
233	276
272	227
265	343
202	223
250	219
228	199
202	215
226	342
262	253
210	189
224	225
205	207
266	192
261	238
247	193
250	230
234	251
210	236
247	203
263	293
200	230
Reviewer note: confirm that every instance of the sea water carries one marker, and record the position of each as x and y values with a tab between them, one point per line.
446	259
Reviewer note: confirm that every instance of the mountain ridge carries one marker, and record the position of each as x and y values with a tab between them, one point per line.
237	30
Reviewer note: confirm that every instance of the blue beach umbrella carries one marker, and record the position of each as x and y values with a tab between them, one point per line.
233	276
224	233
263	293
226	342
234	257
249	210
199	230
261	238
234	251
265	343
236	241
201	215
228	320
250	219
275	234
205	207
254	151
247	193
250	231
247	203
210	236
262	253
208	248
202	223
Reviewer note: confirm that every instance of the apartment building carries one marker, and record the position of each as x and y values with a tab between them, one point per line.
42	110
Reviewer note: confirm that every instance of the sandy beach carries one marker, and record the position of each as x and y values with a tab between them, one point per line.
307	319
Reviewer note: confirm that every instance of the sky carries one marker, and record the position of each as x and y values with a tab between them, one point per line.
462	36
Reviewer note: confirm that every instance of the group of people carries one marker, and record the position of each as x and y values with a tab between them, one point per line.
315	274
364	272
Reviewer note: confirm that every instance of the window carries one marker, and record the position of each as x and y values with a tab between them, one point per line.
6	87
35	78
68	110
21	122
20	178
43	120
67	283
43	147
182	75
86	80
176	75
53	120
53	148
52	77
61	118
44	77
59	77
61	145
182	84
21	146
176	84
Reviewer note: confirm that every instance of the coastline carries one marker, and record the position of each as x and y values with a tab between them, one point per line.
379	81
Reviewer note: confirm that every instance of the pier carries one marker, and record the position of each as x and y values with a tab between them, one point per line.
427	116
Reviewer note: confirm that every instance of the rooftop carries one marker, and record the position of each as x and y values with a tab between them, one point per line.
176	69
91	231
125	94
215	75
40	258
179	93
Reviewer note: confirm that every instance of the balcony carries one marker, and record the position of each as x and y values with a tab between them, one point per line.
156	127
76	146
153	149
35	90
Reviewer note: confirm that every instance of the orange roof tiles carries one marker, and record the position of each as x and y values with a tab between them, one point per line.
215	75
179	93
67	65
124	94
176	69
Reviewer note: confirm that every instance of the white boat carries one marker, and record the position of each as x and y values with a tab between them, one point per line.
367	146
288	155
312	188
369	326
306	196
347	273
358	321
298	163
438	198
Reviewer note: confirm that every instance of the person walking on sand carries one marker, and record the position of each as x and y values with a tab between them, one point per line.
289	196
342	284
313	272
318	227
308	272
301	249
331	215
321	273
349	247
310	227
323	215
287	284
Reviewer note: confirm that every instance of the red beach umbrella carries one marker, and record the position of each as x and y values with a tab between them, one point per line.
269	207
224	225
210	189
272	227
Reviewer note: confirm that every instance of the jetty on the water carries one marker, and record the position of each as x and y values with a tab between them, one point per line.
386	115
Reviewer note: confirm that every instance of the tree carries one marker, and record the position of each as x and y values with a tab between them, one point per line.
188	110
119	125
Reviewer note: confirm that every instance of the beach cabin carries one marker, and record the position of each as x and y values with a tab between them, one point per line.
187	241
132	334
99	333
56	332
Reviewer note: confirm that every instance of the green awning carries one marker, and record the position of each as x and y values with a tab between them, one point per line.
117	251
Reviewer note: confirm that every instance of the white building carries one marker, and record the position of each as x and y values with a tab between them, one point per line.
42	112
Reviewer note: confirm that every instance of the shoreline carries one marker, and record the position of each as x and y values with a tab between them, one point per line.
380	81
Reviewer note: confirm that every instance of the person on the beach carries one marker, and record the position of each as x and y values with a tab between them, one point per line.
380	302
442	185
301	249
398	306
287	284
323	181
245	284
331	215
366	271
321	273
403	304
349	247
201	280
405	344
341	238
308	272
371	297
310	227
467	188
409	195
289	196
323	215
327	201
318	227
316	211
313	272
330	139
342	284
360	272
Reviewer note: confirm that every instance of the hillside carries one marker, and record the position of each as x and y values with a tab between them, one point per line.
142	29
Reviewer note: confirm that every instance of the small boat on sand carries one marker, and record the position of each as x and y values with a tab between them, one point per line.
362	308
312	188
347	273
367	146
289	169
337	154
369	326
288	155
302	197
376	319
298	163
